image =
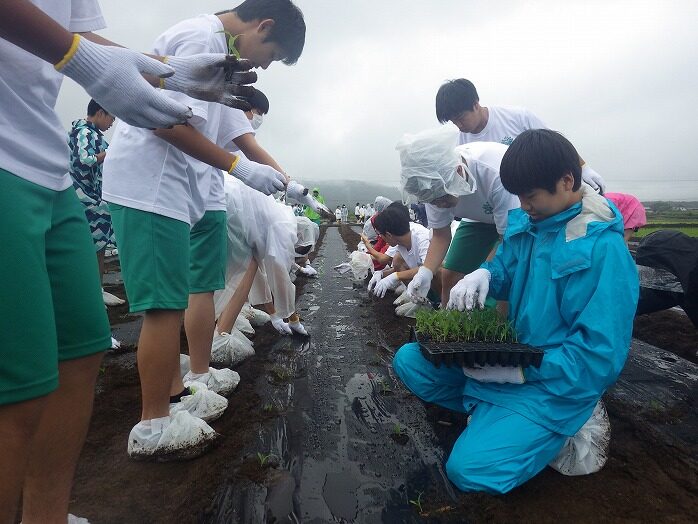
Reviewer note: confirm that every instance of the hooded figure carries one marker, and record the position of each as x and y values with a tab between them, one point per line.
310	213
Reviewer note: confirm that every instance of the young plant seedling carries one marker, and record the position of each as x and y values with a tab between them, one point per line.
268	407
479	325
232	50
397	429
263	459
418	501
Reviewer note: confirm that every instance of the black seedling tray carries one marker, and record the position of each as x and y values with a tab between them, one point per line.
471	354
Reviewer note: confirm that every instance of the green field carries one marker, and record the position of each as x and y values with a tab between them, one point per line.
684	221
691	231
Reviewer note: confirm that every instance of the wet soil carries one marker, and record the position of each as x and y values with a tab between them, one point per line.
310	435
670	330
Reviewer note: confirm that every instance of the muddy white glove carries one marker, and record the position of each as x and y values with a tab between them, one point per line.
213	77
404	298
261	177
592	178
471	286
112	76
389	282
298	328
308	270
298	193
419	287
280	325
498	374
377	275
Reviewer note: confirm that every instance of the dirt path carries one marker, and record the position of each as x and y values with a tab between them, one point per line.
321	431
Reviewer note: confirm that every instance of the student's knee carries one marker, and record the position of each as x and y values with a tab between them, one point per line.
405	360
469	473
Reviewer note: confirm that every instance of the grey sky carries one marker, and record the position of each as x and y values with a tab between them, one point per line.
619	78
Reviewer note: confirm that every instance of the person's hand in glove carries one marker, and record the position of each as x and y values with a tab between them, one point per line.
261	177
463	294
298	328
420	285
298	193
377	275
404	298
389	282
113	77
280	326
498	374
213	77
308	270
592	178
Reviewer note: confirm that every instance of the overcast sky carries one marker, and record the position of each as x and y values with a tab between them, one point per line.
619	78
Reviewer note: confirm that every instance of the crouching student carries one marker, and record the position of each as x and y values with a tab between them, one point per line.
409	244
572	289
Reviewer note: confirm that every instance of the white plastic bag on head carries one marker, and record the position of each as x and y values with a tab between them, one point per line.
429	162
361	264
381	203
587	451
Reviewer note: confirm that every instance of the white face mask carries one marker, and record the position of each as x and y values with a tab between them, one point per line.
256	120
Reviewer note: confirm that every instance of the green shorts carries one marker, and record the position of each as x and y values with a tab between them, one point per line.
208	243
51	308
154	256
470	246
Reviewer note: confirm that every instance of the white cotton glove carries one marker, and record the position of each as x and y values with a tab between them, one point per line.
112	76
298	328
261	177
377	275
419	286
498	374
280	326
389	282
404	298
213	77
308	270
463	294
299	193
592	178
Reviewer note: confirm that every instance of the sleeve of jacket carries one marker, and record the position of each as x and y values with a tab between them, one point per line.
501	268
84	148
599	306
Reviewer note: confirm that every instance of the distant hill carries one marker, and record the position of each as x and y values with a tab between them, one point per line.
349	192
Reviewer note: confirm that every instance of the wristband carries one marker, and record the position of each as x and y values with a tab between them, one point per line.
234	165
69	54
162	80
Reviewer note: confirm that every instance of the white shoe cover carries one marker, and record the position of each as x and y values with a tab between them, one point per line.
202	403
402	299
229	349
184	366
308	271
177	437
115	344
72	519
587	451
257	317
298	328
244	325
409	309
280	325
111	300
221	381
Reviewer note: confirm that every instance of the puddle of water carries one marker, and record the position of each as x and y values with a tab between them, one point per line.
339	493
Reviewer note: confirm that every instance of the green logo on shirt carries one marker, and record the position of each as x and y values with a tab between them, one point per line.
487	208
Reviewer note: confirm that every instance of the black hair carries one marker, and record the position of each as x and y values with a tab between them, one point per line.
93	107
537	159
454	97
289	27
394	219
259	100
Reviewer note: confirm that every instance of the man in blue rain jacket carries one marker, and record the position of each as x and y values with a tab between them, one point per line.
572	289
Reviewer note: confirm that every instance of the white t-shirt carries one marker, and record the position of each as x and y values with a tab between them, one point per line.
233	124
504	124
357	211
415	256
34	142
144	172
490	202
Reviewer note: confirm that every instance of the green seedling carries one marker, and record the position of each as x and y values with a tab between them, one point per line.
263	459
479	325
418	501
232	50
385	387
397	429
268	407
280	374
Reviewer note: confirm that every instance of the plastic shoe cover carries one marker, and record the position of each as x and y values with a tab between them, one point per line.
257	317
587	451
280	325
72	519
202	403
232	348
111	300
244	325
402	299
221	381
298	328
308	271
400	289
177	437
220	353
184	366
409	309
115	344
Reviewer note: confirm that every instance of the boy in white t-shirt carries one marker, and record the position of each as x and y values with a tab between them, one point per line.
409	245
463	183
159	185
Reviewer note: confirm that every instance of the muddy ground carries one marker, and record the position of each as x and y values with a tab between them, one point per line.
320	430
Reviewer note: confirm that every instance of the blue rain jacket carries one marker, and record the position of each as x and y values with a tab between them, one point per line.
572	288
